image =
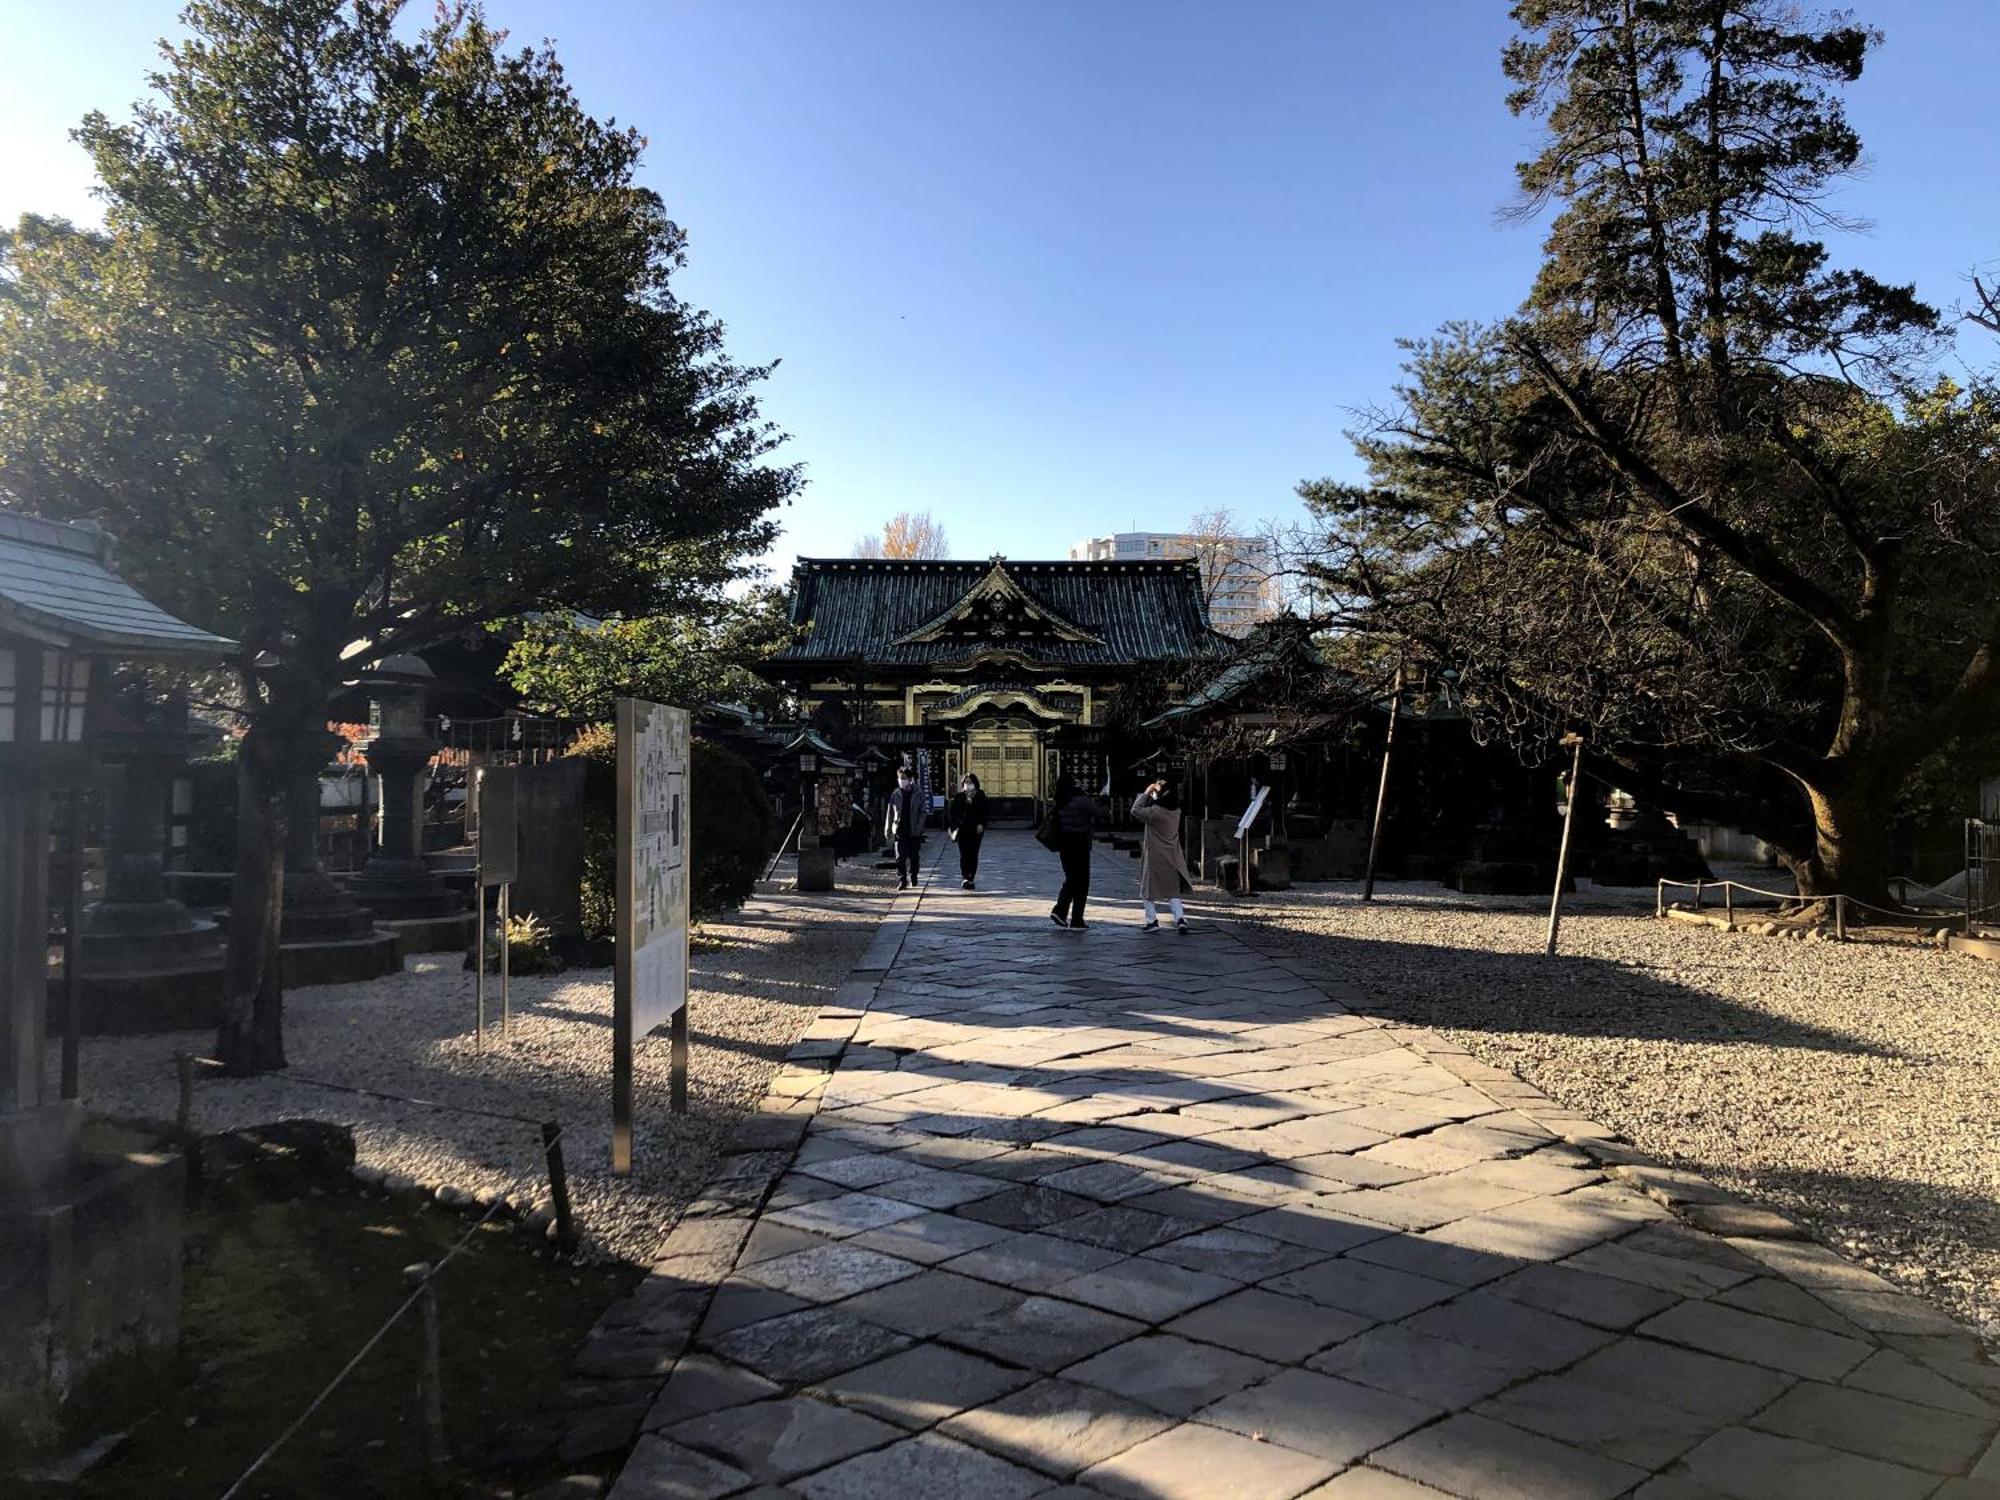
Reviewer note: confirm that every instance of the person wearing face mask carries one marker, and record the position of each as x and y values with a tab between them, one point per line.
967	818
904	827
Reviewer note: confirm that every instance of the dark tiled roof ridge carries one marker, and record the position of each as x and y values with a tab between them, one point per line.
869	609
58	536
985	564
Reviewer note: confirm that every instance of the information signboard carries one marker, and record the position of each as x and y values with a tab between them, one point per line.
1250	816
499	826
650	978
832	804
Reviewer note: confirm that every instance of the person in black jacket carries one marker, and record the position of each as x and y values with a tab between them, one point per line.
904	826
1070	817
967	820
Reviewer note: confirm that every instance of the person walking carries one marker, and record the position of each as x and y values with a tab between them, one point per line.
905	827
1066	828
1163	871
967	820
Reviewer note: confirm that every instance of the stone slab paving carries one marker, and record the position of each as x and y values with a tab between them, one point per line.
1055	1214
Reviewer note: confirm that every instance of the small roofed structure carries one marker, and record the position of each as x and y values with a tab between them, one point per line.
59	586
94	1243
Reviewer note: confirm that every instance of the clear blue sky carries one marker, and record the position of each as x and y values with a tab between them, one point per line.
1051	269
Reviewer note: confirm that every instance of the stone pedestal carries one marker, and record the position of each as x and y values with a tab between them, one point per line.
1638	846
816	868
396	883
93	1273
1271	868
147	963
326	936
1507	859
1339	852
1218	841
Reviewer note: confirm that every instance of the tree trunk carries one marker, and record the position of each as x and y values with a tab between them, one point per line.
251	1036
1852	841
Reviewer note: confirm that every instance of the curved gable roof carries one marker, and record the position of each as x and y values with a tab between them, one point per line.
1080	614
57	584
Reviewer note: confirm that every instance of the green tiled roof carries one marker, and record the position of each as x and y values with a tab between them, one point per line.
57	585
856	610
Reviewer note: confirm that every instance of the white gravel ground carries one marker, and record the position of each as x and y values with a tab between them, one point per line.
1853	1087
758	979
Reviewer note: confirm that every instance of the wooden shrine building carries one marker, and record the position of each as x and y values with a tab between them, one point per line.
1010	670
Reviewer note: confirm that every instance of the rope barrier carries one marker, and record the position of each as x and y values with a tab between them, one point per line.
1702	886
411	1301
352	1088
360	1354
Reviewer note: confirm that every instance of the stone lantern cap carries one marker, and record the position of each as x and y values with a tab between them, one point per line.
58	587
400	670
809	743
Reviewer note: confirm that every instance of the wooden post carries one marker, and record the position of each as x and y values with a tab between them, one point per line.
184	1105
72	1037
1974	846
1840	918
1729	902
1382	790
677	1060
1569	828
479	958
552	1153
1659	898
506	964
430	1382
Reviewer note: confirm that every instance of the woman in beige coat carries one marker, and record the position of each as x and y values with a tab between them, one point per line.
1163	871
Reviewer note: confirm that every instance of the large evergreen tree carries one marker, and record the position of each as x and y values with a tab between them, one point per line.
378	344
1692	500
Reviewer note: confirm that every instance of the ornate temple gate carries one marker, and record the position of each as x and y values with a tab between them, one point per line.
996	668
1006	761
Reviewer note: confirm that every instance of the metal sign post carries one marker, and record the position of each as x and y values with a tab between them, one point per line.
651	978
1243	828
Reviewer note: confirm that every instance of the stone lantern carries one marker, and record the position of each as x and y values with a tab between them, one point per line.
817	761
147	963
93	1245
396	883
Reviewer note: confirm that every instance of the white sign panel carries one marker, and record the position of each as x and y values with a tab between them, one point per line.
650	982
653	829
1250	817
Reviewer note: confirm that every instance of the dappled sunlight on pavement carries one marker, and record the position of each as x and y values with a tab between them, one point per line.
1146	1214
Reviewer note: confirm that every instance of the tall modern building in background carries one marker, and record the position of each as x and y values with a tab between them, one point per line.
1238	574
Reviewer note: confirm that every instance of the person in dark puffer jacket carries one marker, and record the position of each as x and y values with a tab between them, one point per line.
1071	815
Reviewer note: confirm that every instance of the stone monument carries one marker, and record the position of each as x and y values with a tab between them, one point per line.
396	883
325	936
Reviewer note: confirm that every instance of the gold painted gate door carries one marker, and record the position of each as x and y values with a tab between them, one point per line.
1003	760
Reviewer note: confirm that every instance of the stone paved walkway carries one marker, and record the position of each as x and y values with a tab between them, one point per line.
1124	1214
